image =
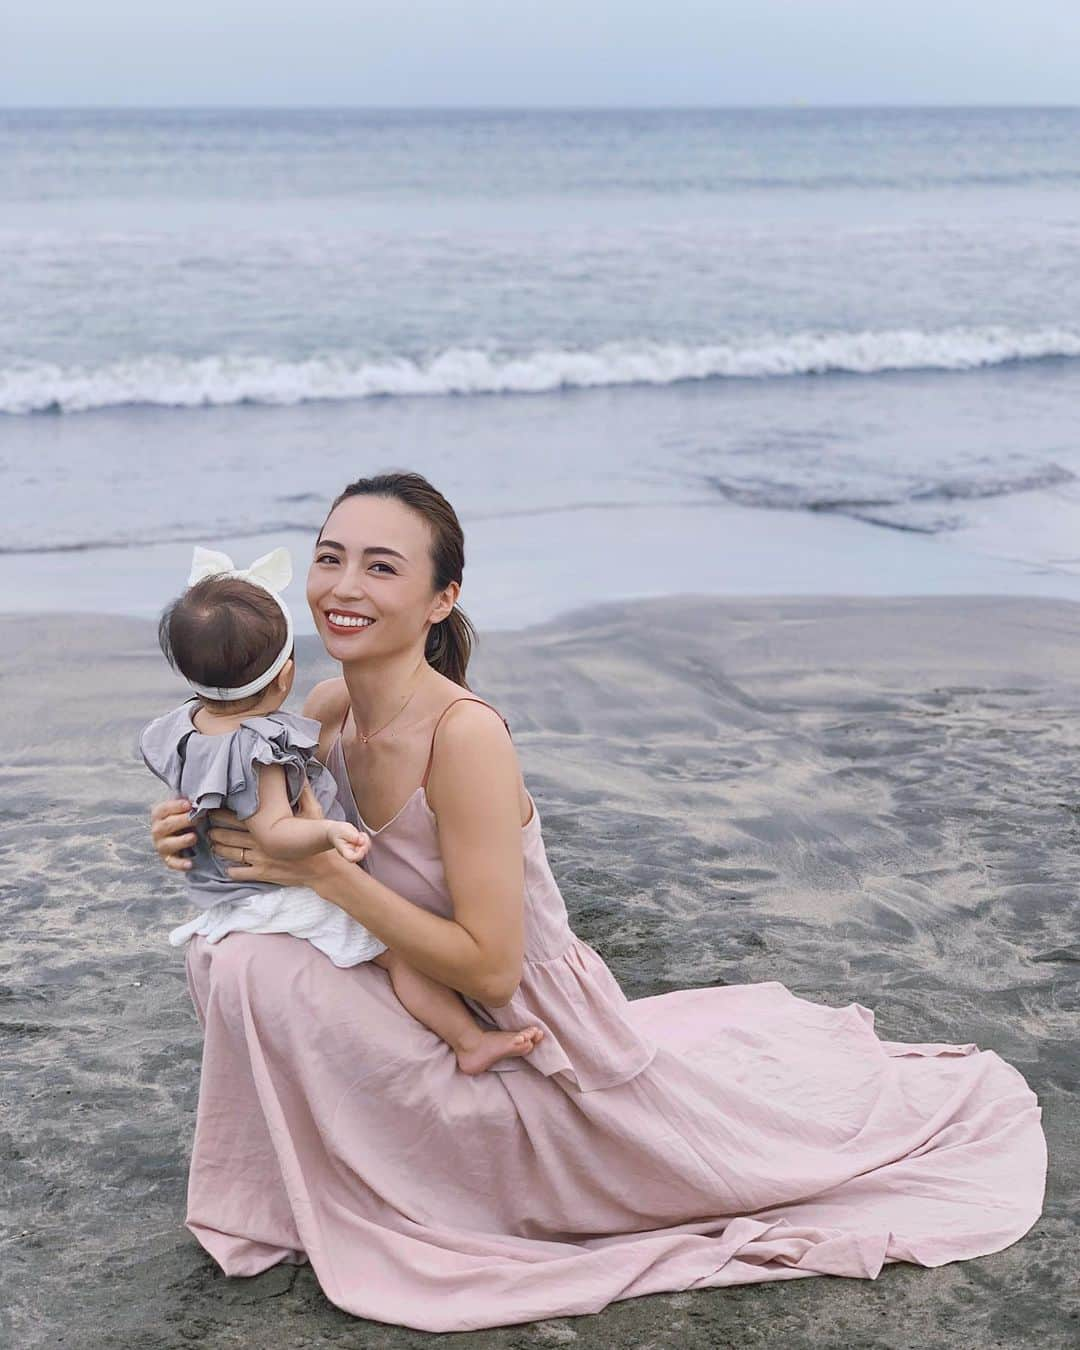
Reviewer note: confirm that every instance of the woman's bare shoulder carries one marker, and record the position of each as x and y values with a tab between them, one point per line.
471	732
473	712
327	702
475	762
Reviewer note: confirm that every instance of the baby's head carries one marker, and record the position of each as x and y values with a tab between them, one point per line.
222	634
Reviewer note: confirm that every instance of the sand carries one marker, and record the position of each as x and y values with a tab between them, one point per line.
871	800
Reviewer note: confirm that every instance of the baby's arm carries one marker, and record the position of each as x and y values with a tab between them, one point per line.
289	838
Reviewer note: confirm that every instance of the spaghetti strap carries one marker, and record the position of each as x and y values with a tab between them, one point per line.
438	723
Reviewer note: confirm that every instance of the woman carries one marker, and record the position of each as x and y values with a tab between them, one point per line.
703	1138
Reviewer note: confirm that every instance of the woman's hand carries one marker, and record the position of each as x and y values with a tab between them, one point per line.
171	832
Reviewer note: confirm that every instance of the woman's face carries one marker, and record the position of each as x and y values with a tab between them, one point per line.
370	582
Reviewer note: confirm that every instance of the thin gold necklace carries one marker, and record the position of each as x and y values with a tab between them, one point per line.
371	736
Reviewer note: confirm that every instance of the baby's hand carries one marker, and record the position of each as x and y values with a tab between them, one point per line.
350	842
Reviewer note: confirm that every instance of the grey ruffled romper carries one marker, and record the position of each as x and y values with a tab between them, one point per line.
221	771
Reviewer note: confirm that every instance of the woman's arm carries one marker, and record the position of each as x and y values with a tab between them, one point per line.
473	790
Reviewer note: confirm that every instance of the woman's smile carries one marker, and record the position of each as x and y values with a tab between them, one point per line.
347	621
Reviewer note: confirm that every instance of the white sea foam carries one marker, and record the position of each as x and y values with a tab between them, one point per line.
220	380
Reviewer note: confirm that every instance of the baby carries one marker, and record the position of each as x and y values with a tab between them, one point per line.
231	637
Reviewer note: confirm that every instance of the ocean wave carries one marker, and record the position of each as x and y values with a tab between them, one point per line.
176	382
914	506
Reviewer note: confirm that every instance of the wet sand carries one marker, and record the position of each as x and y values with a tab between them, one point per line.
873	800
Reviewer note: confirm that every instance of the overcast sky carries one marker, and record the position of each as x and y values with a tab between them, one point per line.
538	52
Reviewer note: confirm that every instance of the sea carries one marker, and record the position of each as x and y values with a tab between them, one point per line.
644	353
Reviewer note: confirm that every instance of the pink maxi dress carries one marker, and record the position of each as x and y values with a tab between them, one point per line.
692	1140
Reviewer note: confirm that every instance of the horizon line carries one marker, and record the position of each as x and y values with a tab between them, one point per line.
791	105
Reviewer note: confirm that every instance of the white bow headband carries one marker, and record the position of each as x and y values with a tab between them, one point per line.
272	572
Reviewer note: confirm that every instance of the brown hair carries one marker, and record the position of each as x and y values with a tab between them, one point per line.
223	632
449	642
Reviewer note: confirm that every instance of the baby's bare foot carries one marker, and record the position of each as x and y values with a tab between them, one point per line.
491	1046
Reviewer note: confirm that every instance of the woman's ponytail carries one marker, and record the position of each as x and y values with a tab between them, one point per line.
450	644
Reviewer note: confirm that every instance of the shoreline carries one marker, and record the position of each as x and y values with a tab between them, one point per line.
869	799
578	616
520	569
